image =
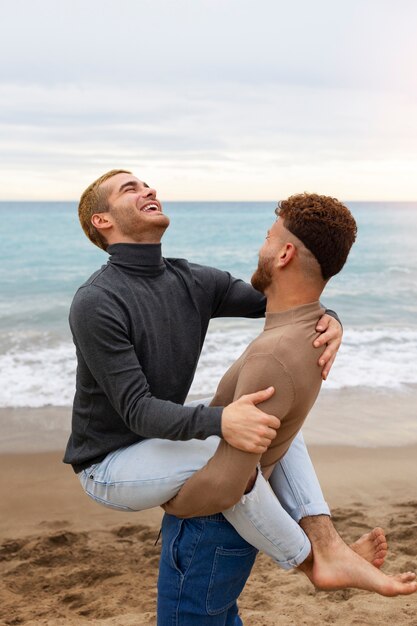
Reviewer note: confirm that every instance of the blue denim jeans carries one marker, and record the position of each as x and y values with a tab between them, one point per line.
203	568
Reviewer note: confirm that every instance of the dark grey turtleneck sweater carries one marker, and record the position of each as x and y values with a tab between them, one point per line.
139	325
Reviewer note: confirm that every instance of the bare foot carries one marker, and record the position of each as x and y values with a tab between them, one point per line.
372	547
333	565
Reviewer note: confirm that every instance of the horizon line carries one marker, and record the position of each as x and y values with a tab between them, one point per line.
214	201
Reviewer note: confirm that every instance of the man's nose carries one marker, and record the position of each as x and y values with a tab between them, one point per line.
148	192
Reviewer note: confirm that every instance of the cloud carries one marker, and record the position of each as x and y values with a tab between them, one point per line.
211	91
143	42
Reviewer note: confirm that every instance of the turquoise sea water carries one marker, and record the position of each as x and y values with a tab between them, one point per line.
45	256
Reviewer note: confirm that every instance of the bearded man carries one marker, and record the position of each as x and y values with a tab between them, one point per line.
202	572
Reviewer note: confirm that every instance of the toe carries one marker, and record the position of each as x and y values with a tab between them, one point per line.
380	539
380	552
401	587
406	577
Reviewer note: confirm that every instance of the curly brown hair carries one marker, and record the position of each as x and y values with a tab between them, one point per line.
95	200
324	225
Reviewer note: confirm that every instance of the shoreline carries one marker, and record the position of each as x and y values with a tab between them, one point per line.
349	417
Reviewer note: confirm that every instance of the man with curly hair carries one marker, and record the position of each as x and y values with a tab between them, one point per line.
200	579
307	245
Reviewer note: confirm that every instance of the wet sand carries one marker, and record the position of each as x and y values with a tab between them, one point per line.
346	417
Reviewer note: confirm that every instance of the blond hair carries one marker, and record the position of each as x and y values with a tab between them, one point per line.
95	200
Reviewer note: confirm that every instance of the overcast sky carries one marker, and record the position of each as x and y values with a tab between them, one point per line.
210	99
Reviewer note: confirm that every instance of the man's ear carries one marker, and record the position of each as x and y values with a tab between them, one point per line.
286	254
101	221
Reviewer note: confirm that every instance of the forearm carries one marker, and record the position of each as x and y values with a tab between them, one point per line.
217	486
222	482
151	417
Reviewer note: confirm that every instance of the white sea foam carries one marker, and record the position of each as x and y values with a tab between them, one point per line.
38	376
42	373
378	358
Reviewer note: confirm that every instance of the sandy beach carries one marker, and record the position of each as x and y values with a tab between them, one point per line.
66	560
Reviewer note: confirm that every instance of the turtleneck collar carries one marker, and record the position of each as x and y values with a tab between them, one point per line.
138	258
304	312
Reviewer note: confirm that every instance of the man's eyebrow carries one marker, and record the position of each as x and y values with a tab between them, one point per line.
131	183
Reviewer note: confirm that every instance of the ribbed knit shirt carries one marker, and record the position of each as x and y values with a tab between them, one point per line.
138	325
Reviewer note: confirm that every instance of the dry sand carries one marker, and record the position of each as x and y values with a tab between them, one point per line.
66	560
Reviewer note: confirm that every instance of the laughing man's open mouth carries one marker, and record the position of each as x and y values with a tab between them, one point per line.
150	208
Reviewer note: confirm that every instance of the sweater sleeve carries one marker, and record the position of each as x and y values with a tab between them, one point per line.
228	296
259	372
107	355
333	314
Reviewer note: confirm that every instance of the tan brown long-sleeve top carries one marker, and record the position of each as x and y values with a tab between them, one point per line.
282	356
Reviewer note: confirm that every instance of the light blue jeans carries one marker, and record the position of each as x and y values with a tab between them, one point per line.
152	471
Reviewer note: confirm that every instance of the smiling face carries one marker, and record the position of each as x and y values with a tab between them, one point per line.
135	214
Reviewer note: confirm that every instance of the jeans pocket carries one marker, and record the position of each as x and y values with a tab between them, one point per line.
184	543
229	574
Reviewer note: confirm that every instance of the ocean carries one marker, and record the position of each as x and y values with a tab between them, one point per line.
45	257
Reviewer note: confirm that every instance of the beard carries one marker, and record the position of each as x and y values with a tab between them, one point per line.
262	278
130	223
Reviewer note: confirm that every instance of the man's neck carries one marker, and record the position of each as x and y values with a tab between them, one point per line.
280	298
